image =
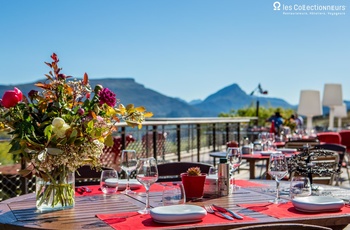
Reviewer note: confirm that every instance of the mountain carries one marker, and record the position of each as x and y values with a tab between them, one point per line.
222	101
128	91
233	97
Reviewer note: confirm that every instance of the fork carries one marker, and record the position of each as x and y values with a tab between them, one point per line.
210	209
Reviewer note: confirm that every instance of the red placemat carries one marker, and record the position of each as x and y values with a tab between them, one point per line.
133	220
95	190
247	183
287	210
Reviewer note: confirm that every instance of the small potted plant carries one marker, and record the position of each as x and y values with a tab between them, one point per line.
193	181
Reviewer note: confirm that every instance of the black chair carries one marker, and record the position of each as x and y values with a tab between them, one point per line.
341	150
85	175
299	144
171	171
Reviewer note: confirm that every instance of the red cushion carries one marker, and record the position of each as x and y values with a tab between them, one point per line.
329	137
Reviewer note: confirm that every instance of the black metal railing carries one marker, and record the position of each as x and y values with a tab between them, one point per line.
166	139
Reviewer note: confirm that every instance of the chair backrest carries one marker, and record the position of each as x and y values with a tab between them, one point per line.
325	165
85	175
341	149
329	137
111	154
171	171
299	144
147	143
232	144
345	138
283	226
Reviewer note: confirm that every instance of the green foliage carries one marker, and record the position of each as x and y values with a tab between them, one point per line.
264	113
5	157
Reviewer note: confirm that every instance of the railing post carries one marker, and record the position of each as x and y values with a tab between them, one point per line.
198	142
238	133
155	134
178	134
214	137
227	132
123	137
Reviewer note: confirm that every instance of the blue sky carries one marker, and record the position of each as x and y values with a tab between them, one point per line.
180	48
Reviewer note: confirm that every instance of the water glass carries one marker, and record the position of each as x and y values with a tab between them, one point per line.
173	193
299	187
109	181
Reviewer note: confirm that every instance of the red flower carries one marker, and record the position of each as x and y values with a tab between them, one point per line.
11	98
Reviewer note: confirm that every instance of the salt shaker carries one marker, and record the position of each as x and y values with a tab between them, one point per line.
223	177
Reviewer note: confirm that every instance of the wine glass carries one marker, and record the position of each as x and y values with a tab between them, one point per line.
147	174
271	141
278	168
234	156
263	137
129	162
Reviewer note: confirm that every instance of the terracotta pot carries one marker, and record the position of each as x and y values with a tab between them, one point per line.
193	185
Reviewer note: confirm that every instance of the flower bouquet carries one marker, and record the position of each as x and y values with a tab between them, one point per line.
60	128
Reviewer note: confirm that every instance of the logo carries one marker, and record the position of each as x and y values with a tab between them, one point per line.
276	6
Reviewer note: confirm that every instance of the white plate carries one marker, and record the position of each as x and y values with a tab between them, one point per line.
175	214
318	204
134	184
268	153
111	182
286	150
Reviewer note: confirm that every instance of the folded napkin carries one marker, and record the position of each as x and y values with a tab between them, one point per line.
93	190
134	220
287	210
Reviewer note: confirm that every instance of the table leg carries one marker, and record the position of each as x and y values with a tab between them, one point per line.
251	168
268	177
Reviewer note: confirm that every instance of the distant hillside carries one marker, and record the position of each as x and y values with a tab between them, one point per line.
222	101
128	91
233	97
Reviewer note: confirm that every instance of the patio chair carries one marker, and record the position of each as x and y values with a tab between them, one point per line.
321	164
283	226
111	154
341	150
299	144
171	171
329	137
345	140
85	175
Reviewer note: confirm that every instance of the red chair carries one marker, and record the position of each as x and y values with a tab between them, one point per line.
232	144
345	139
329	137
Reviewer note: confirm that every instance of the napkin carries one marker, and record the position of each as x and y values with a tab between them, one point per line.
95	190
134	220
247	183
287	210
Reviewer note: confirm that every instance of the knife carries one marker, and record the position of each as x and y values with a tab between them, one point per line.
221	209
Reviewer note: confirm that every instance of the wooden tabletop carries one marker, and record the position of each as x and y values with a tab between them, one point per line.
20	212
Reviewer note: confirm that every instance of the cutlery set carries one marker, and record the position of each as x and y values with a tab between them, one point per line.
213	209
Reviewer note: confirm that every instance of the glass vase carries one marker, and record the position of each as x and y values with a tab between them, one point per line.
55	192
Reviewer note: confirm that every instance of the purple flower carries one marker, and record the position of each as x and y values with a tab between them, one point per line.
81	111
108	97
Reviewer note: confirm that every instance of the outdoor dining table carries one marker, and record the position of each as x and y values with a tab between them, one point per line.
118	211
